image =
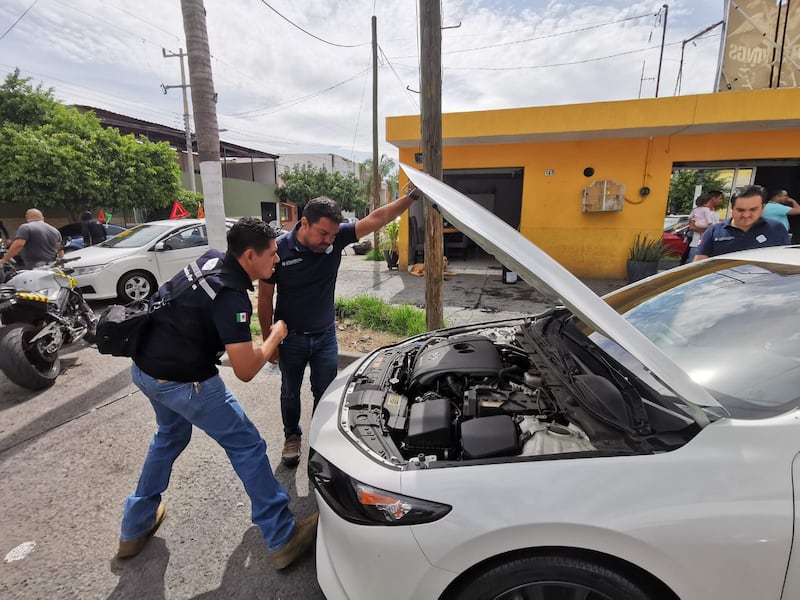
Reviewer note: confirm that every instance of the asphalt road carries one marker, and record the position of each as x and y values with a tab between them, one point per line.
70	455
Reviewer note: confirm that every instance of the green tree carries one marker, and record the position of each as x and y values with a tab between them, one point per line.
305	182
52	155
682	185
22	104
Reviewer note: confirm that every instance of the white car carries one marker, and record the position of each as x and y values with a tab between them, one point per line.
133	264
645	446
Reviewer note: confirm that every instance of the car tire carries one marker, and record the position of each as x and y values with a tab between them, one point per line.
550	577
135	285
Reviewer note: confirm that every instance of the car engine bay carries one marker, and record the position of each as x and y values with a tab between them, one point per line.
489	394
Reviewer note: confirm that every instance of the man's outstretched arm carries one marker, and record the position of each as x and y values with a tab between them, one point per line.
385	214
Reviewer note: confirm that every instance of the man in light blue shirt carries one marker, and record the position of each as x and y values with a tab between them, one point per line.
780	206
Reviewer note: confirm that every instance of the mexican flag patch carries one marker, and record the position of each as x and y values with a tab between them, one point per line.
241	317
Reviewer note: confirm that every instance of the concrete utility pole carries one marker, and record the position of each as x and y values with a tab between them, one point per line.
376	184
186	122
204	101
430	20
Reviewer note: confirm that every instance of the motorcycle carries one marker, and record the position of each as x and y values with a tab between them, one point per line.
41	310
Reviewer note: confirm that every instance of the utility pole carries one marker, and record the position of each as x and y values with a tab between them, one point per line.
430	20
376	184
204	101
186	123
661	56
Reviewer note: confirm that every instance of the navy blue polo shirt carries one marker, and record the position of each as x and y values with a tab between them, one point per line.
723	237
306	281
185	338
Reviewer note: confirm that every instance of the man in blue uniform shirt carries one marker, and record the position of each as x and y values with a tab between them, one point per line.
175	366
306	278
745	230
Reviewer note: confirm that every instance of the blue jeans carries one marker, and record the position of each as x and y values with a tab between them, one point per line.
321	351
692	254
214	409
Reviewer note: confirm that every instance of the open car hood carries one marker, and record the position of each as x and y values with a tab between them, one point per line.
538	269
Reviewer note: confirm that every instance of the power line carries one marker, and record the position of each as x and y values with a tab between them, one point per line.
564	64
405	88
534	39
549	35
292	102
293	24
18	19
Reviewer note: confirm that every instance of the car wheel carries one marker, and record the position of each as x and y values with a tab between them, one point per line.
551	578
136	285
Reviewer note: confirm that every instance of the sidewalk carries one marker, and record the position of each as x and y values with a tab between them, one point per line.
474	293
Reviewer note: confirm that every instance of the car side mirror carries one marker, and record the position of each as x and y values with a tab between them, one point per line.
159	247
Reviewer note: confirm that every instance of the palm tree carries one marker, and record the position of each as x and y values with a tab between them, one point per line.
205	117
386	171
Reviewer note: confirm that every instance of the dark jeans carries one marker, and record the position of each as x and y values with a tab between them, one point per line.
321	352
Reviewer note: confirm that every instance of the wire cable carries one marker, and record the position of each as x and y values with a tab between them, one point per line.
265	3
14	24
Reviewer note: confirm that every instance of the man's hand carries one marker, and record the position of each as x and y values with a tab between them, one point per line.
279	330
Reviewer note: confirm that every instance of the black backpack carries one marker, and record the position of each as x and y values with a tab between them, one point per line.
120	326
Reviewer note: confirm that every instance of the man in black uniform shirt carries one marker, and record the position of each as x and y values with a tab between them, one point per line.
175	366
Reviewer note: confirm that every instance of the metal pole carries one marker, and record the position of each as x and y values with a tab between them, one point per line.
663	38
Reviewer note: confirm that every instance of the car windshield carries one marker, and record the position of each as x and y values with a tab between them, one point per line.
137	237
733	326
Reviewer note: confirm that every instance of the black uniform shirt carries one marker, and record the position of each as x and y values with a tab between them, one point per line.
185	338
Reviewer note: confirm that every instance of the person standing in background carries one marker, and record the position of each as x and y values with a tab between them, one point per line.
92	231
780	206
37	242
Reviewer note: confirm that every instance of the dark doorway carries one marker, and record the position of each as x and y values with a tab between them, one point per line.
269	212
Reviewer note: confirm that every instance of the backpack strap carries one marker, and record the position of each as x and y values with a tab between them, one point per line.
194	276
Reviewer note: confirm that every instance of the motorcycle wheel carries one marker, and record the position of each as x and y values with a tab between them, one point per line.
22	363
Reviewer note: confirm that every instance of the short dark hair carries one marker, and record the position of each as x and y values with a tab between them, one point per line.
701	200
749	192
712	193
86	216
775	193
250	232
322	207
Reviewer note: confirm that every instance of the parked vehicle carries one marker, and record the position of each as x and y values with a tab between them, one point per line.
677	241
72	236
639	446
41	311
133	264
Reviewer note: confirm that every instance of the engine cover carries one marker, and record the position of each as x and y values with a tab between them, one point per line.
472	355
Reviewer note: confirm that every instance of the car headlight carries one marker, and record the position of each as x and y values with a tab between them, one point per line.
78	271
363	504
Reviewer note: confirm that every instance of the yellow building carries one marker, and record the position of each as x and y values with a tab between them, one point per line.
531	166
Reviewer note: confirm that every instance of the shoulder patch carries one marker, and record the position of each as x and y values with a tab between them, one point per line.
211	263
241	317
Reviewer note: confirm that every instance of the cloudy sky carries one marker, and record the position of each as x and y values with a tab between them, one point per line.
294	76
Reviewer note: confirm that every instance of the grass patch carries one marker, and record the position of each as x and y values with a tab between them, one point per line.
369	312
374	254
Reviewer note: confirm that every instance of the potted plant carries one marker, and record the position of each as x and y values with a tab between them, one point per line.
389	237
643	257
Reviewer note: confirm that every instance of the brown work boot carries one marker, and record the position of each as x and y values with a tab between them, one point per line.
291	451
128	548
301	540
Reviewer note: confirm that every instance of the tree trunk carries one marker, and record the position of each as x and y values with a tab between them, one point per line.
205	119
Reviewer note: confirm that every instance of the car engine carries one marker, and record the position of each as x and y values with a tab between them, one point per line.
472	396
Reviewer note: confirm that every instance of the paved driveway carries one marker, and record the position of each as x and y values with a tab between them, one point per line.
69	456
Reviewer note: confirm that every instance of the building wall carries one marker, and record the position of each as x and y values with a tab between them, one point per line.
242	198
333	163
596	244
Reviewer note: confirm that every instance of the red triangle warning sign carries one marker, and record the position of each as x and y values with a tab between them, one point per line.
178	212
101	216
